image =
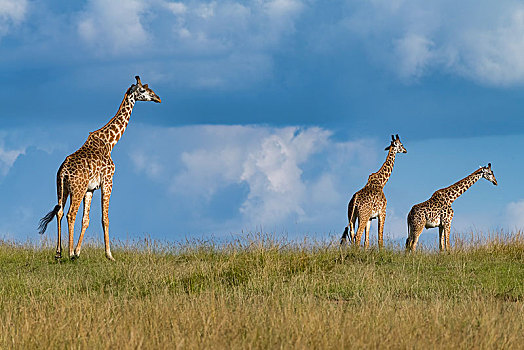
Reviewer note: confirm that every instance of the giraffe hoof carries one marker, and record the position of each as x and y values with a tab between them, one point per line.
58	256
73	257
110	257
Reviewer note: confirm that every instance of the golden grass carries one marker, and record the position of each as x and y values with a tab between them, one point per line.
265	294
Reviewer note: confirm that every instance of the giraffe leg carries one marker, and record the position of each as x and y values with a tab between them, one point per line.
85	221
62	202
381	222
366	234
76	200
441	237
363	218
447	228
414	238
352	229
106	195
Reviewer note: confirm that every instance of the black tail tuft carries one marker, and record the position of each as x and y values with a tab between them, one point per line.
42	225
344	238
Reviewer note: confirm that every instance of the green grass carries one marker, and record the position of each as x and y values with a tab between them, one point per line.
262	293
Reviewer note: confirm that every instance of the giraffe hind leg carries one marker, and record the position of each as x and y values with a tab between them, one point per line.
367	234
59	215
362	222
76	200
85	221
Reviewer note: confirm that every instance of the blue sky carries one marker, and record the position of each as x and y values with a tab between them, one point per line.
274	112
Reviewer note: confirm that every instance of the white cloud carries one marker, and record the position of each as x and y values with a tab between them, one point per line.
113	26
515	214
12	12
178	8
294	176
479	40
414	54
8	158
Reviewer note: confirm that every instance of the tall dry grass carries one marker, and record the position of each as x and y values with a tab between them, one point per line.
265	293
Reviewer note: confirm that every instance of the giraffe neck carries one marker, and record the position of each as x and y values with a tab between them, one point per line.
451	193
114	129
381	177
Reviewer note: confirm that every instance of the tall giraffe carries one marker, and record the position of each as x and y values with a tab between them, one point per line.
370	202
91	168
437	210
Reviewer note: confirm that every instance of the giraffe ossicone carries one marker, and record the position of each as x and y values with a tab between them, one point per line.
370	202
437	211
91	168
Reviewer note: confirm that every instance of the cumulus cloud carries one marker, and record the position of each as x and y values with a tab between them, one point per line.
113	26
12	12
483	41
198	44
515	214
229	44
8	158
291	174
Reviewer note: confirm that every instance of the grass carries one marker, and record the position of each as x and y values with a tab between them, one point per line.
265	293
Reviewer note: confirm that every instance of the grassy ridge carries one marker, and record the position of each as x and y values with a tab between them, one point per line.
264	294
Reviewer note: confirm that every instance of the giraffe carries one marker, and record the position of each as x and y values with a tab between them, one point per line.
437	210
370	202
91	168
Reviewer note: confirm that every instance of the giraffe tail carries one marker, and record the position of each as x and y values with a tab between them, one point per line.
352	204
42	225
346	233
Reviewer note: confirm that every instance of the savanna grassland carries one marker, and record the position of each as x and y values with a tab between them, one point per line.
264	293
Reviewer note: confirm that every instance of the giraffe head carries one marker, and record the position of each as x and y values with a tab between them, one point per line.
396	145
143	92
487	173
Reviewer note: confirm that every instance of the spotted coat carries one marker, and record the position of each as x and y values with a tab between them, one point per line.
91	168
370	202
437	211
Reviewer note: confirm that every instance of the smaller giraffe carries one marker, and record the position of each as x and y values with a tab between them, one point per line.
437	211
370	202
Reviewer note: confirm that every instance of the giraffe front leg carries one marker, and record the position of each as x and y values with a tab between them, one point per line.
381	222
85	221
106	195
447	228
